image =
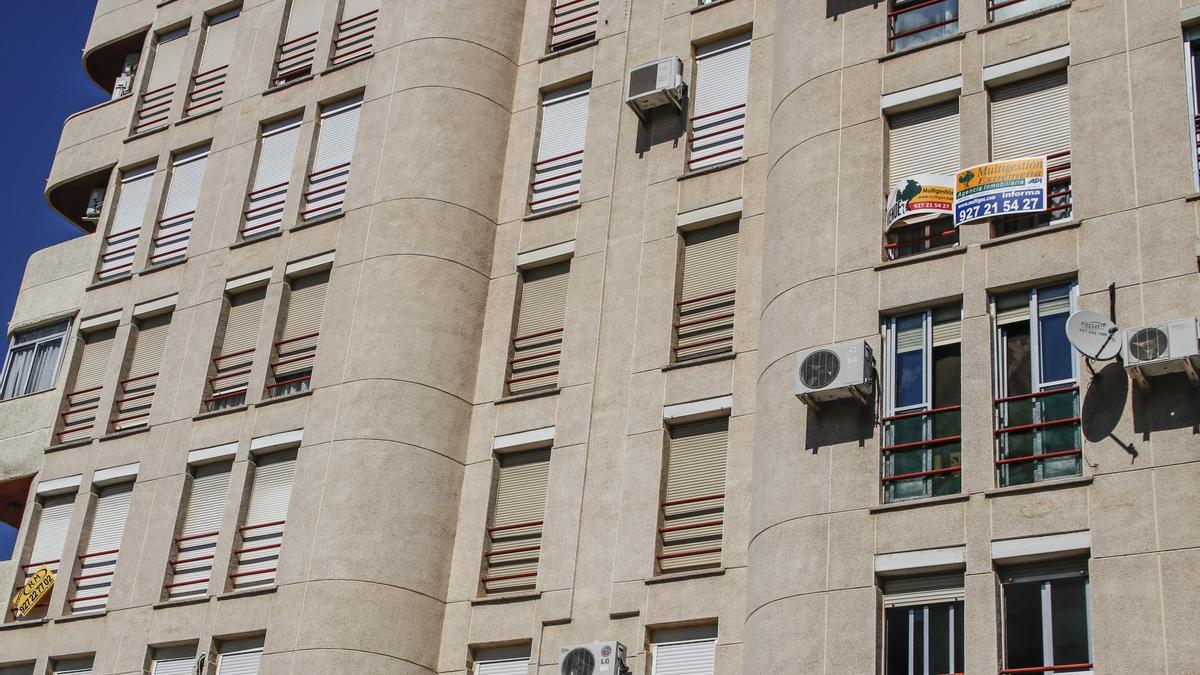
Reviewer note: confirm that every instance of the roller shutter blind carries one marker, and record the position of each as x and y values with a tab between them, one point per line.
79	419
304	18
1031	117
141	379
707	292
1012	308
719	108
298	49
947	326
573	22
179	210
693	511
159	89
923	141
694	657
120	245
53	522
355	30
99	560
81	666
208	84
330	174
276	156
540	316
23	669
174	661
915	591
296	349
232	364
558	168
505	667
240	657
518	511
197	540
97	347
265	516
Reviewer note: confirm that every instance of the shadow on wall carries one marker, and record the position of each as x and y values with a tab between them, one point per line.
838	422
663	124
835	7
1171	403
1103	405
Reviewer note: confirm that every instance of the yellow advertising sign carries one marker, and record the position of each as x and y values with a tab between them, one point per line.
36	587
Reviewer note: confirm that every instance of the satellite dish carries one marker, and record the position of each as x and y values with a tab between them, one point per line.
1093	335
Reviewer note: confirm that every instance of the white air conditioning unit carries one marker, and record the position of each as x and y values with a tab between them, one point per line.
123	86
655	84
94	205
598	658
1161	348
843	370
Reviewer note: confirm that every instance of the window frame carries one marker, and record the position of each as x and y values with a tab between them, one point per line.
34	345
1047	614
1191	52
895	9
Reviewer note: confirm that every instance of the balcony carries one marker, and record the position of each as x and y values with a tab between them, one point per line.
922	454
1038	437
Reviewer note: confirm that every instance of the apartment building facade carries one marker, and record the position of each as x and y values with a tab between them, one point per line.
513	368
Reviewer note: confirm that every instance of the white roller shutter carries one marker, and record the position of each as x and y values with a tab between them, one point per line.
197	540
276	157
299	46
82	666
179	210
98	561
537	344
79	419
159	89
174	661
573	22
136	393
326	192
694	506
120	245
355	30
708	292
296	349
719	111
505	667
262	533
240	657
916	591
232	364
923	141
558	169
515	536
51	534
208	84
1031	117
694	657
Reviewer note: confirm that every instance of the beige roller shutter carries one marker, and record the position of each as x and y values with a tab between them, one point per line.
299	46
330	175
558	168
179	210
240	657
693	511
51	535
218	41
97	347
707	292
718	120
915	591
79	419
947	326
355	30
197	540
149	345
168	57
515	536
1031	117
923	141
136	394
272	176
297	345
233	362
573	22
98	562
537	344
174	661
262	532
1052	306
120	246
304	18
1012	308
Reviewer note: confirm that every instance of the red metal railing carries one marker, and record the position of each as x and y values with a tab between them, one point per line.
208	88
231	379
154	108
573	22
327	191
1047	669
354	37
293	362
83	558
668	548
898	245
264	212
295	58
1037	427
242	562
556	181
186	559
716	137
1058	199
133	402
79	402
533	361
896	16
927	442
119	250
494	571
171	242
697	323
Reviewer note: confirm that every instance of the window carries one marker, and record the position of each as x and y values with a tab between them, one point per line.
229	375
53	520
298	48
17	669
537	341
355	31
923	625
573	22
514	538
924	141
239	657
296	348
192	556
922	425
14	494
1047	618
154	106
179	209
502	661
326	191
916	22
98	560
135	392
74	666
33	357
173	660
558	167
1000	10
120	246
691	523
272	177
704	314
717	128
261	534
1191	41
684	651
1046	99
212	71
1037	394
81	404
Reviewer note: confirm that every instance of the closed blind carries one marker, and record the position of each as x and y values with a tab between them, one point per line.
168	57
262	532
97	347
558	168
505	667
241	334
296	349
218	41
78	420
299	46
276	156
355	30
573	22
51	534
197	541
913	591
707	292
240	657
515	536
81	666
693	511
304	18
99	560
1031	117
719	111
179	211
149	345
120	245
537	344
694	657
923	141
326	191
137	389
174	661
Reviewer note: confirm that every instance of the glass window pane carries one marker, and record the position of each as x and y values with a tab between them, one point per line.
1069	617
939	638
907	488
1061	467
910	360
19	362
924	16
1058	406
896	630
907	430
946	424
45	366
918	637
1056	357
947	385
947	484
1018	374
906	461
959	642
1023	625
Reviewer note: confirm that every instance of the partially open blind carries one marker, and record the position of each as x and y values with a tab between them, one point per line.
168	57
179	211
262	533
197	540
693	511
330	174
719	112
232	363
174	660
538	341
120	245
81	666
276	156
98	562
707	292
923	141
240	657
692	657
911	591
573	22
296	349
97	347
355	30
298	49
558	168
518	666
515	536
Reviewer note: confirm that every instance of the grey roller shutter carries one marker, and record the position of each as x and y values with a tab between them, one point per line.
693	510
240	657
232	363
693	657
298	49
159	90
915	591
355	30
120	245
1031	117
296	349
947	326
537	344
79	419
1012	308
197	540
558	168
53	522
273	173
81	666
262	533
719	111
330	174
174	661
22	669
98	562
515	536
208	84
505	667
923	141
707	292
573	22
179	210
141	379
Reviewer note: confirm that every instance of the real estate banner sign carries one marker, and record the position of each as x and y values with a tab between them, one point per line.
928	193
1000	189
33	591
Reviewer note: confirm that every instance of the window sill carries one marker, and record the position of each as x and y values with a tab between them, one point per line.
525	396
13	625
683	576
1192	197
77	443
280	399
32	393
255	240
500	598
247	593
329	217
346	64
1025	17
714	358
921	257
550	56
127	432
192	118
715	3
552	212
917	503
290	83
182	602
79	617
1060	484
713	169
164	266
149	132
109	282
1035	232
218	413
923	46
